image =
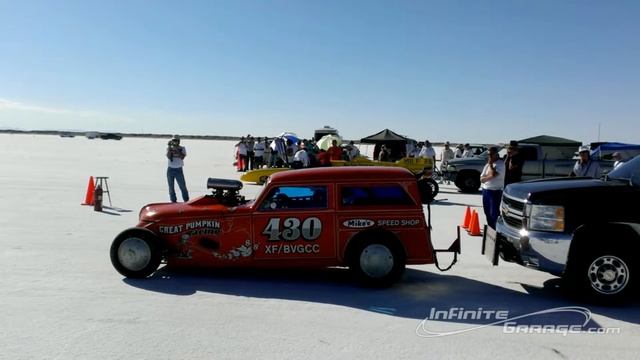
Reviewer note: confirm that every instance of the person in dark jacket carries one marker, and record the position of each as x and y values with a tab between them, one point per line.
513	164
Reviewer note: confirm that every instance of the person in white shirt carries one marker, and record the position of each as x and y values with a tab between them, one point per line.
353	151
241	151
258	153
176	155
458	153
467	153
428	152
618	159
492	180
445	156
301	158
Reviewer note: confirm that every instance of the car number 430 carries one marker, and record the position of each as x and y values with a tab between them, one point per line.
292	229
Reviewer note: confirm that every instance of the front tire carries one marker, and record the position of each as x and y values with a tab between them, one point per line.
378	262
468	181
604	275
136	253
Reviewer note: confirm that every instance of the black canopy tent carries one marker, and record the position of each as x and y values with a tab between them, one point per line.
394	142
547	140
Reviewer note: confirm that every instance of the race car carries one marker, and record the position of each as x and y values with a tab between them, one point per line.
369	219
422	168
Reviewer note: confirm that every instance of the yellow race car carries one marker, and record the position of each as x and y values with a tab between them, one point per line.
421	167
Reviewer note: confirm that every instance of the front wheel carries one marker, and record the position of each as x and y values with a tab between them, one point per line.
468	181
136	253
378	263
606	275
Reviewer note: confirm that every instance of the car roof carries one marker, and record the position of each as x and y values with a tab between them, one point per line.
344	173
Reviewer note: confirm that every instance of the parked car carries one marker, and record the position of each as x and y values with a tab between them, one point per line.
577	228
540	162
370	219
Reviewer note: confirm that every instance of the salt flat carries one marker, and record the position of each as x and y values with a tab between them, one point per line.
61	298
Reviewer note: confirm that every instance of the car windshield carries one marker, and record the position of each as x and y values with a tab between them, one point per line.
629	170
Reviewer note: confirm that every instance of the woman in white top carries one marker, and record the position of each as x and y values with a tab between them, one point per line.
492	180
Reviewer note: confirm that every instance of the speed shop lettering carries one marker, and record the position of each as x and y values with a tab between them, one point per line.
292	229
399	222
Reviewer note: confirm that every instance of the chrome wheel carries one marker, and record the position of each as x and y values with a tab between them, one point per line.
376	260
608	274
134	254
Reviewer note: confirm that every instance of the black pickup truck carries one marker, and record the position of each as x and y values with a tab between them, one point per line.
585	230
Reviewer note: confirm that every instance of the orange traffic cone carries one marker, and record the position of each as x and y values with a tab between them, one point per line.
474	225
88	198
467	218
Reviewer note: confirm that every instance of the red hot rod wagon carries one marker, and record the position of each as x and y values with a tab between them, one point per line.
370	219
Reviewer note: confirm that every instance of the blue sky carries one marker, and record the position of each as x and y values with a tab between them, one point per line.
476	71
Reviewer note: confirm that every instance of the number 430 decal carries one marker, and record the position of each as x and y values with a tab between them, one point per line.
310	230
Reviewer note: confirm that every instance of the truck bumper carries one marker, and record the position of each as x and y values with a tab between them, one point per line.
545	251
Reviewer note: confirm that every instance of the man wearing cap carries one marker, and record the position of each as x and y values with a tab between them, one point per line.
300	158
513	164
618	159
445	156
176	155
467	153
428	152
585	167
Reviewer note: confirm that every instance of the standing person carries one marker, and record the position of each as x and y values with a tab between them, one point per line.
467	153
585	167
301	158
335	152
323	158
384	153
513	164
458	153
352	151
428	152
617	157
258	153
445	156
492	179
267	152
176	155
241	150
250	153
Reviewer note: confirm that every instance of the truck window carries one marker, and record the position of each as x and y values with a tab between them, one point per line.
374	195
529	153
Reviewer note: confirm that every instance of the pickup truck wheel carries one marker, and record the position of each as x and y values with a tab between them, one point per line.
468	181
602	275
378	263
135	253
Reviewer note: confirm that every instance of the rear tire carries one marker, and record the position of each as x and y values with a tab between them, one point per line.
378	262
136	253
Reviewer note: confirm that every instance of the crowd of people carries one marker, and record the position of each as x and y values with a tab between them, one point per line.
251	154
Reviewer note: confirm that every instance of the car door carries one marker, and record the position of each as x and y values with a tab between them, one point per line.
295	222
531	169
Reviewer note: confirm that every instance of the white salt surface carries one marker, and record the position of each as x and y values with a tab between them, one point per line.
60	298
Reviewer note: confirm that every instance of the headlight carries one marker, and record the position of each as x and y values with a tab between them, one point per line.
545	217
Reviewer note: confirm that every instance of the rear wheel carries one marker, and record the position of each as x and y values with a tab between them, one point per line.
378	262
136	253
428	189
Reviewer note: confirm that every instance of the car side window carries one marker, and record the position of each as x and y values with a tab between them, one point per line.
374	195
295	197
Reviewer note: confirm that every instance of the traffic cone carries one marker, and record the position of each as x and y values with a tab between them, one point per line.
88	198
467	218
474	225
